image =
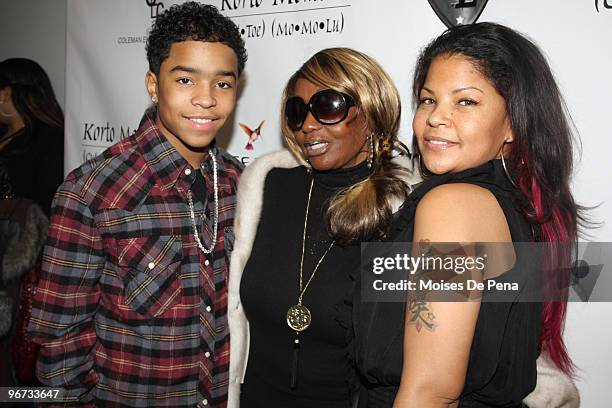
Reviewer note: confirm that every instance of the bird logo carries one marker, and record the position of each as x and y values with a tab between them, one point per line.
253	135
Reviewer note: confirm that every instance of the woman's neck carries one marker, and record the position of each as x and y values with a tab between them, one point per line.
341	178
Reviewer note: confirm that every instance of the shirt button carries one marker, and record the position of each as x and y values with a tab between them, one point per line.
187	171
207	262
204	402
207	354
208	308
151	265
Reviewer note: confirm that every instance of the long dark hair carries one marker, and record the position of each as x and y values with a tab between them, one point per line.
542	149
31	92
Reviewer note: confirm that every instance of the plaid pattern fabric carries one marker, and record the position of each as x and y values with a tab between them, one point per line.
128	310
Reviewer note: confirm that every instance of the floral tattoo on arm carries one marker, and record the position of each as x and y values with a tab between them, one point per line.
418	311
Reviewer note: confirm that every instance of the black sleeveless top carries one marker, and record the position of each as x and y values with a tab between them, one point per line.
502	361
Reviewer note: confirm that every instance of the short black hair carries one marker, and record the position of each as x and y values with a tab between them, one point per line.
192	21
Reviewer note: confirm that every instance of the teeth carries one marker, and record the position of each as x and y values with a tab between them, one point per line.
198	120
438	142
317	147
310	144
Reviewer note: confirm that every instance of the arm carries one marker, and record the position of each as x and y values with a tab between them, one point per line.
436	355
67	296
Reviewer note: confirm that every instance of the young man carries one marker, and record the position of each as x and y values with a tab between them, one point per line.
131	307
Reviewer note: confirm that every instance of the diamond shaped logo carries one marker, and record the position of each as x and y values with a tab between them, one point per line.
458	12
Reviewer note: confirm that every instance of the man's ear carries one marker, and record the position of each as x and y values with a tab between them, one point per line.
151	83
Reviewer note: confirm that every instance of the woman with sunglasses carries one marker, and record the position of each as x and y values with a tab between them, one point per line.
301	215
496	153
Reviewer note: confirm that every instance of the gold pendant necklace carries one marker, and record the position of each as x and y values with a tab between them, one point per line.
298	316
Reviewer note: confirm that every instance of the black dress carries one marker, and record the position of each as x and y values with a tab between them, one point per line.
269	286
502	361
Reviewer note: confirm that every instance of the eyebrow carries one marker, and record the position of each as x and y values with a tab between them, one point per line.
191	70
468	88
226	73
456	90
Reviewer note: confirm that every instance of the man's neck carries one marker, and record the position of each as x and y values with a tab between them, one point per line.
196	159
193	156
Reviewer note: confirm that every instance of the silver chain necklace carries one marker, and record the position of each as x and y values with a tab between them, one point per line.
196	234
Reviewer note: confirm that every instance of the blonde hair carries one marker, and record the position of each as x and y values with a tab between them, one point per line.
362	211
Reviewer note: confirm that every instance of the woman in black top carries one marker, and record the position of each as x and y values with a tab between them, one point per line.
495	150
31	168
298	227
31	133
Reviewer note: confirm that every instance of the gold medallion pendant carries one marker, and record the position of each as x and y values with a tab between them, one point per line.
298	317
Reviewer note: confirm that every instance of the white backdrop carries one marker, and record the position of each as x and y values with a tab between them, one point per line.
105	92
36	29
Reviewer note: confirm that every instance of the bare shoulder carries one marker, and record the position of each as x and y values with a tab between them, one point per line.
460	212
460	198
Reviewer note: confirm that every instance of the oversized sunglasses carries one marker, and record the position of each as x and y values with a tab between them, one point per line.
328	107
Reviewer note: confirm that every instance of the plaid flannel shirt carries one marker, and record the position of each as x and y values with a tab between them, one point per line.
128	310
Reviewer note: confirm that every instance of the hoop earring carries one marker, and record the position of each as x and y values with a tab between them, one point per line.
6	115
371	152
506	169
3	113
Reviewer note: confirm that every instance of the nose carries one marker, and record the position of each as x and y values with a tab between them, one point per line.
204	97
439	116
310	124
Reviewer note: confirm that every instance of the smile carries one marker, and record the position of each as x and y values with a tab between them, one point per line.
439	144
198	120
316	147
201	123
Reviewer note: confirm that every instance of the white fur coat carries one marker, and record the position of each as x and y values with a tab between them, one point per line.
554	389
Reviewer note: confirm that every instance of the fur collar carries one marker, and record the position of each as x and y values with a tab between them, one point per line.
25	241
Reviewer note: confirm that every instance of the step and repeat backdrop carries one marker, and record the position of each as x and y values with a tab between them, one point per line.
106	65
106	96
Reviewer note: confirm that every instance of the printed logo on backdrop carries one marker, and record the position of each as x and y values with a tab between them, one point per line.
98	136
257	19
458	12
252	134
605	3
155	7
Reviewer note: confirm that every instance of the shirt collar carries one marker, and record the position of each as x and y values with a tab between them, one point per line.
166	163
